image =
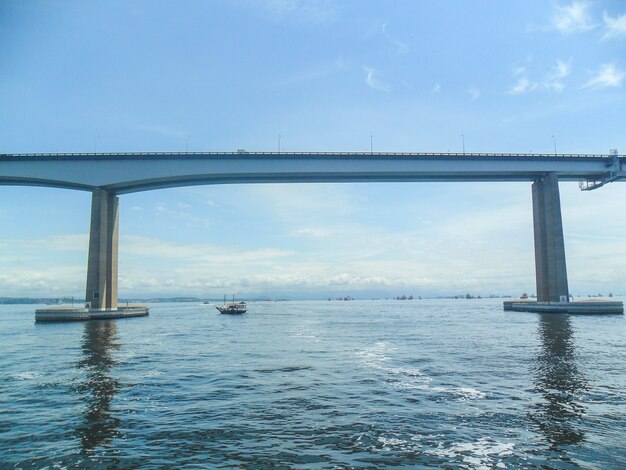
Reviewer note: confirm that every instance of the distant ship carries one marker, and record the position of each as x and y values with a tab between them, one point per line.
233	308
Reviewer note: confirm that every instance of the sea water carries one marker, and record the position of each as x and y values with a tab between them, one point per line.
371	383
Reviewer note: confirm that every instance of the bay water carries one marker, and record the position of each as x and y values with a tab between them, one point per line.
315	384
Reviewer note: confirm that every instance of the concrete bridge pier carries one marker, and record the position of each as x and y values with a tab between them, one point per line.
551	271
101	292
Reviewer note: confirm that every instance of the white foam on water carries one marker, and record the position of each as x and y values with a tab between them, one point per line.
467	393
25	376
459	393
375	356
395	444
378	356
482	454
391	443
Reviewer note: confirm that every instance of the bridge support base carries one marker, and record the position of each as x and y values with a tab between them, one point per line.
586	307
101	291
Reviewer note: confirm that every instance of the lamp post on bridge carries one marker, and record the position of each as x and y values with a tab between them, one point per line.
463	139
554	141
187	137
279	137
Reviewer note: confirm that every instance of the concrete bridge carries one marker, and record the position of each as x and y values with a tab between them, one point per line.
107	175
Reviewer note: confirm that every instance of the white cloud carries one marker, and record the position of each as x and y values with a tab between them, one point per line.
312	232
182	214
341	63
554	79
573	18
301	11
555	85
316	72
373	81
72	242
474	93
436	88
198	253
561	70
401	48
346	253
523	86
608	76
615	26
39	281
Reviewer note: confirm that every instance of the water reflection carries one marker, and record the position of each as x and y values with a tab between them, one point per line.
560	382
98	388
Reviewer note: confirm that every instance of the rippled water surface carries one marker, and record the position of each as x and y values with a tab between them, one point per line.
456	383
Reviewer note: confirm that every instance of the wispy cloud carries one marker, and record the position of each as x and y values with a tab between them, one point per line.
554	80
401	48
436	88
460	249
317	72
573	18
301	11
474	93
70	242
608	76
615	26
561	70
182	214
372	80
197	253
522	86
312	232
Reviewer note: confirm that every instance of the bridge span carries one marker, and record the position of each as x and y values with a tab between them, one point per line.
108	175
121	173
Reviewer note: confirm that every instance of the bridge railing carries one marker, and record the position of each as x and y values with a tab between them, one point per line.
246	154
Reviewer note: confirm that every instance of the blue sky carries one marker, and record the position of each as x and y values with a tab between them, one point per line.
220	75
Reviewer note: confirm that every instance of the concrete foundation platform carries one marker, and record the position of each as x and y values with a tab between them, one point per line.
79	313
589	307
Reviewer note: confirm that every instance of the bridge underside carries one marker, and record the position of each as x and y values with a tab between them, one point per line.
128	187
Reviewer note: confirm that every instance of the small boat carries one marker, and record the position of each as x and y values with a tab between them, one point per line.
233	308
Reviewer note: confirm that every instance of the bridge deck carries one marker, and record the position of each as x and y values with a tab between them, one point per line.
140	171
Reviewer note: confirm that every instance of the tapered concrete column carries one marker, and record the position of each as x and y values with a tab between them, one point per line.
549	243
101	292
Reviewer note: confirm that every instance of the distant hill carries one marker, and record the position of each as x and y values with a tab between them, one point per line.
40	300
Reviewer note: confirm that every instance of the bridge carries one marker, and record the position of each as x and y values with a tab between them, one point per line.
108	175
